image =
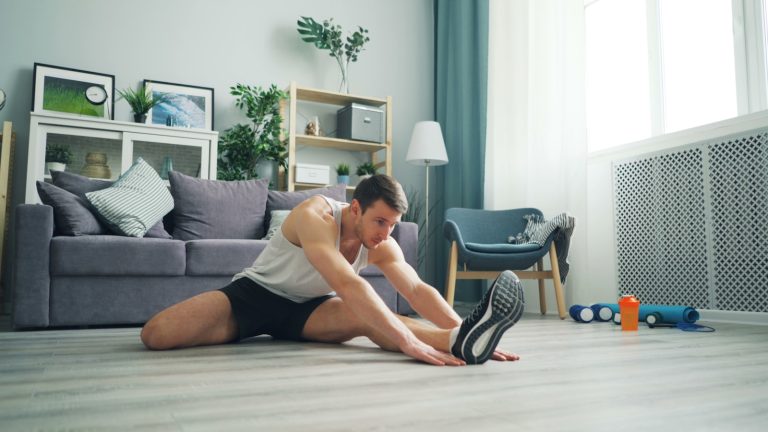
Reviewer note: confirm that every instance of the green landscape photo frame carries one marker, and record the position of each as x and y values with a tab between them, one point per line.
59	89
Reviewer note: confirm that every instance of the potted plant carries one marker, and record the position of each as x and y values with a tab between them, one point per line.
141	101
342	173
328	36
57	156
254	150
365	170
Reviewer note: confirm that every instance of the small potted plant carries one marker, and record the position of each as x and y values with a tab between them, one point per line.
365	170
342	173
141	101
57	156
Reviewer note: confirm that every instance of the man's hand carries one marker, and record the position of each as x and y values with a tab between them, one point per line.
423	352
501	355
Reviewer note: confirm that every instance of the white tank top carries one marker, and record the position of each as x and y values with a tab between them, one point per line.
283	268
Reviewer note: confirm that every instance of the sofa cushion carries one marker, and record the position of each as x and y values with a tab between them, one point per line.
277	200
212	209
135	202
221	257
116	255
81	185
70	212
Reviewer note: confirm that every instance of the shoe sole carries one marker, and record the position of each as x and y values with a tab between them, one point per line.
502	310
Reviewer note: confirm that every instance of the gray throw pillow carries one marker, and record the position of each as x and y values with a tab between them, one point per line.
71	213
135	202
81	185
213	209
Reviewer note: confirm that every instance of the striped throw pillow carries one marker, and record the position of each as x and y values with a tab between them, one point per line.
135	202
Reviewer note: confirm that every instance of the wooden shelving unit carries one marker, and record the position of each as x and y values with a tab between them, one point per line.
380	154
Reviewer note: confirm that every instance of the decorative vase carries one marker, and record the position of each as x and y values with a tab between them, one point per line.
96	166
167	167
342	179
140	118
362	177
265	169
344	85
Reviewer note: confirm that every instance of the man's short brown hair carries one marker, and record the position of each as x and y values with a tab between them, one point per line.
381	187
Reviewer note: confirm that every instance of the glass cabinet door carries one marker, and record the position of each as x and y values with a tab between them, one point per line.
164	154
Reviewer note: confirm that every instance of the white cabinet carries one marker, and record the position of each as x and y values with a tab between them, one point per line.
104	148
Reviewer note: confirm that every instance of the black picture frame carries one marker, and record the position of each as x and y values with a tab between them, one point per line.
186	106
61	90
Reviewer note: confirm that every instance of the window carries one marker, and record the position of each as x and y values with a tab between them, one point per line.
659	66
618	104
698	64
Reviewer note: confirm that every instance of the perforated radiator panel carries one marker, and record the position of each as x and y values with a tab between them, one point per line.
692	225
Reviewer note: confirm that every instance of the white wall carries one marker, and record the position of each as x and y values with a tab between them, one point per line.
217	44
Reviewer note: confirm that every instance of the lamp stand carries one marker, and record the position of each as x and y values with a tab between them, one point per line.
426	219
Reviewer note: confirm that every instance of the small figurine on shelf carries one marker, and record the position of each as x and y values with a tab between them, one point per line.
313	127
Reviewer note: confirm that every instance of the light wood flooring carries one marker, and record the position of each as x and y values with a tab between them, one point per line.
571	376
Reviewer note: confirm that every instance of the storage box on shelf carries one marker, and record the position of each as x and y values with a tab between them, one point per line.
380	153
106	148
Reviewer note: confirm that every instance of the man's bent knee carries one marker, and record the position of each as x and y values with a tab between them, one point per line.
154	337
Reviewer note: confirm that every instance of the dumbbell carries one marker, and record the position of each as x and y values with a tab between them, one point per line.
654	319
602	312
581	313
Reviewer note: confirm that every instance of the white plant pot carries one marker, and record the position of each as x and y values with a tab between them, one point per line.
55	166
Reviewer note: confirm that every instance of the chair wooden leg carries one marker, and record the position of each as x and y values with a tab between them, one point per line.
542	293
453	262
556	280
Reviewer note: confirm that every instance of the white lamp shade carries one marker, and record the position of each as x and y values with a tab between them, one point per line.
427	145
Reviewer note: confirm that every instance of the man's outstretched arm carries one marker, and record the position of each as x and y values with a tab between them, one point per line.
422	297
317	235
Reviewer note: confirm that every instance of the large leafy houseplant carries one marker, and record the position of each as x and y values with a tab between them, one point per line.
243	146
327	36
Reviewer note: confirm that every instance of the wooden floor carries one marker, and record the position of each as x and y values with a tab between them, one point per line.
571	377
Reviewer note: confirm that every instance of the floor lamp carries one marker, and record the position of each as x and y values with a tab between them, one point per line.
427	148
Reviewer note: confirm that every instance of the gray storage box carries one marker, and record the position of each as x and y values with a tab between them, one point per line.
360	122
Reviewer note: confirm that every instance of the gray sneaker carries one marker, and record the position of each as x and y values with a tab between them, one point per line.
480	332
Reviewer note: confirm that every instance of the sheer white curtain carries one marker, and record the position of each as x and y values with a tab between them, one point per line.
536	140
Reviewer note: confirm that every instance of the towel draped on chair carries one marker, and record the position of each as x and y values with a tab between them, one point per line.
538	230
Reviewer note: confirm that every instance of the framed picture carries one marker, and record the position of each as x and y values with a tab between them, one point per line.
64	90
184	105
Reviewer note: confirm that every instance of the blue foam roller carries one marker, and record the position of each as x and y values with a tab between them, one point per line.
670	314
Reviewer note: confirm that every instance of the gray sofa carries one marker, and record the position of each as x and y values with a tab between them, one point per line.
109	279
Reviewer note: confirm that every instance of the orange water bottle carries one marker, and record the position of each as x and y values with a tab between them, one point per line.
629	307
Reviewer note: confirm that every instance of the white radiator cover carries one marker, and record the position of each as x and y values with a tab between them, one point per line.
691	224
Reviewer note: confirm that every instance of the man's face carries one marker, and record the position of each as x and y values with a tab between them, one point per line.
376	224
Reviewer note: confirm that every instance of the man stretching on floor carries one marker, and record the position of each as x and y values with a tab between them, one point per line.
305	286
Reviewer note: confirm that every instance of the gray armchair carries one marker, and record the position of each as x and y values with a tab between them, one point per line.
480	250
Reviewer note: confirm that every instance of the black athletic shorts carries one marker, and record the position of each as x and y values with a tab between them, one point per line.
258	311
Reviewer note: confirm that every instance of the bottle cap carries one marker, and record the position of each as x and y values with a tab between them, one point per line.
629	300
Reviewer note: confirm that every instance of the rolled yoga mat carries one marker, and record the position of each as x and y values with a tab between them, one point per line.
669	314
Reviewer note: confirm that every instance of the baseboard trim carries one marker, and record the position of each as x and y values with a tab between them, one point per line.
757	318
